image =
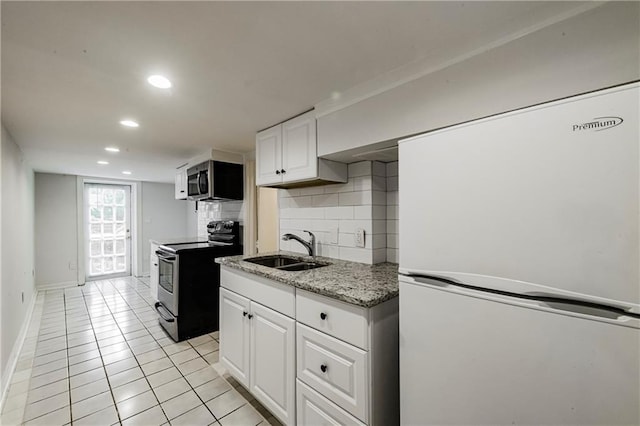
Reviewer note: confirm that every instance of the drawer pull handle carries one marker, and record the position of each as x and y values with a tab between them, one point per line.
323	316
324	368
277	172
244	314
250	316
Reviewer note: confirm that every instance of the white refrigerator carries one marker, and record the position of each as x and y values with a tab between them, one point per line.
519	267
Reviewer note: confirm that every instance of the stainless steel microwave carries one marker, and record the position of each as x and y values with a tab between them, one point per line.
215	180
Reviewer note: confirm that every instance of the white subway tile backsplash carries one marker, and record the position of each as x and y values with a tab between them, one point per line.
360	198
379	241
363	212
361	255
393	255
379	212
392	227
379	198
380	255
366	201
346	240
392	169
339	212
392	241
379	226
300	201
392	212
379	183
378	169
325	200
350	226
362	183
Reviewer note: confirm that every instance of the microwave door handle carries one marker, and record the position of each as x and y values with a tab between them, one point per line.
203	184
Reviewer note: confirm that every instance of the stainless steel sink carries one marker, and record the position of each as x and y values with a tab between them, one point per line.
302	266
273	261
285	263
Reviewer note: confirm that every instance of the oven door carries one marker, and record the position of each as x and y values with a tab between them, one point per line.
168	285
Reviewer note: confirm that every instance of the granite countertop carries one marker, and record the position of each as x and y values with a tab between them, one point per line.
356	283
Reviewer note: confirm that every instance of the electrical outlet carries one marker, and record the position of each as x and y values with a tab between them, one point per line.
359	237
333	235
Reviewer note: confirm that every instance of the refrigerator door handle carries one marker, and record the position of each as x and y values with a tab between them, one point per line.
546	301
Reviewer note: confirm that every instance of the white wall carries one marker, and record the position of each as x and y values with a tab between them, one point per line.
56	224
17	206
596	49
162	217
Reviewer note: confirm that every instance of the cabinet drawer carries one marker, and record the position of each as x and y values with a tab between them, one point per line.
338	319
334	368
314	409
278	296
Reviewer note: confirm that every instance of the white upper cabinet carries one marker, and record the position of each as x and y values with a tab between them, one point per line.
287	154
269	156
181	183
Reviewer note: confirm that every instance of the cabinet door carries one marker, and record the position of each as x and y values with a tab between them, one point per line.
299	157
234	334
181	184
273	361
269	156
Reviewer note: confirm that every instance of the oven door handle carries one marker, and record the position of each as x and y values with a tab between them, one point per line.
163	256
157	306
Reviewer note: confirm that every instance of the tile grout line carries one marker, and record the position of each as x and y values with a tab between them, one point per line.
175	366
101	361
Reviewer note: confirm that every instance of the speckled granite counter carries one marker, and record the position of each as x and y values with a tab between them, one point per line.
351	282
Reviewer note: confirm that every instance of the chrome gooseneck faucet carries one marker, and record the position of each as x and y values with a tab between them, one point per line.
309	245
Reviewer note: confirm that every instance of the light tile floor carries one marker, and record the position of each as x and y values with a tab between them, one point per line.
95	355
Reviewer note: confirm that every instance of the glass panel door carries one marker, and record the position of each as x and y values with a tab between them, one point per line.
107	230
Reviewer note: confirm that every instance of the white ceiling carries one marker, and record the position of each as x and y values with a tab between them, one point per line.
72	70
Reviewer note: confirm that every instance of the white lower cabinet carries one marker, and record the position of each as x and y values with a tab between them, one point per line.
235	334
154	271
310	359
257	347
314	409
272	371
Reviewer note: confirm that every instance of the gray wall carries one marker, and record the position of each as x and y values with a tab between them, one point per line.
162	217
57	256
17	247
57	226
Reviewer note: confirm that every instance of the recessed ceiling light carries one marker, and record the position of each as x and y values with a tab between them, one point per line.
112	149
103	162
126	172
129	123
159	81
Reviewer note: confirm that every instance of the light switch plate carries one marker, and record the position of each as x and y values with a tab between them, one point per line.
359	237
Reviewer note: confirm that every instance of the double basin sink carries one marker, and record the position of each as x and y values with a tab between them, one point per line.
285	263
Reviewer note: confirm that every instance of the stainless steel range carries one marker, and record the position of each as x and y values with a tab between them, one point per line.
189	281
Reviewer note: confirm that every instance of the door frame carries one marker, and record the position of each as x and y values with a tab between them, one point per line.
136	225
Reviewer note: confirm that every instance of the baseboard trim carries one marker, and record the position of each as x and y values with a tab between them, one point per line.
55	286
15	352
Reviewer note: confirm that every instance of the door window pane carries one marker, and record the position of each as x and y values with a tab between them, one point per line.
120	264
120	197
120	246
107	213
107	196
96	266
120	213
108	247
96	248
107	229
108	264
